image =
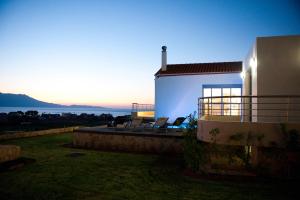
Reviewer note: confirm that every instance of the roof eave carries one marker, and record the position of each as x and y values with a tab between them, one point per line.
190	74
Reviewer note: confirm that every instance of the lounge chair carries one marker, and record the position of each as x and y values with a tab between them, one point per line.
135	123
177	123
160	122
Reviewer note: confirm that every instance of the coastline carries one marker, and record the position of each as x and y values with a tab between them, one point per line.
74	110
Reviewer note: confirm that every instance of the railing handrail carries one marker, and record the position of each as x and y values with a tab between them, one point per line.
252	107
254	96
142	107
143	104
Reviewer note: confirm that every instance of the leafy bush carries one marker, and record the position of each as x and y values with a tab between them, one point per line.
291	138
194	152
246	140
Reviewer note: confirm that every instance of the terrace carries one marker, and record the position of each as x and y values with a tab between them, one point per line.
142	110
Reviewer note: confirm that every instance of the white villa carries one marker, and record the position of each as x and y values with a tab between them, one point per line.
254	97
272	67
264	87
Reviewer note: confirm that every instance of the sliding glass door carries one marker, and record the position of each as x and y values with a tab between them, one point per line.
225	99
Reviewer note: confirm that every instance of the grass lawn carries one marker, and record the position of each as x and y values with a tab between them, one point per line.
108	175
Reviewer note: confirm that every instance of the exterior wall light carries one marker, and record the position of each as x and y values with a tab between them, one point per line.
242	74
253	63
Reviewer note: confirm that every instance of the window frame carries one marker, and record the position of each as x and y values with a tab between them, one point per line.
221	86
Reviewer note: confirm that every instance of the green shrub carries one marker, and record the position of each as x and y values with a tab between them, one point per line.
194	152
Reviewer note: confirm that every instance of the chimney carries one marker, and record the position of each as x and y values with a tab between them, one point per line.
164	58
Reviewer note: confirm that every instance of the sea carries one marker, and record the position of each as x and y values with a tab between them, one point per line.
78	110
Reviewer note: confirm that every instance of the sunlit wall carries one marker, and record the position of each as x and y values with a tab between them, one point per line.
177	96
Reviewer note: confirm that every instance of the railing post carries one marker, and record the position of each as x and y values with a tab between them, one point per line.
250	109
210	106
242	109
287	109
199	108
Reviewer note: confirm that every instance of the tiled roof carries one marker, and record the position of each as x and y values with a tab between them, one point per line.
201	68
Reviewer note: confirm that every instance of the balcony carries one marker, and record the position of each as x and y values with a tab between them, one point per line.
248	114
275	108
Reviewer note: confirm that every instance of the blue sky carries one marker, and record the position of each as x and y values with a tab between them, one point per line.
106	52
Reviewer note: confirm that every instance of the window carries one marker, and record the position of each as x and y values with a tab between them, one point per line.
235	101
227	99
216	102
207	105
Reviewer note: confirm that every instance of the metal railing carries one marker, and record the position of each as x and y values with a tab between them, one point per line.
136	107
272	108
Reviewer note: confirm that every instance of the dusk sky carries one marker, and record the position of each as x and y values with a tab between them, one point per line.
106	52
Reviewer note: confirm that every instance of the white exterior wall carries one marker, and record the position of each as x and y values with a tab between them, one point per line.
250	85
177	96
277	72
278	65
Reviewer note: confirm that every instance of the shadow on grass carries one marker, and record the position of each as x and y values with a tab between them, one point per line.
15	164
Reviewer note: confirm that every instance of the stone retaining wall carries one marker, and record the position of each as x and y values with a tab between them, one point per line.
36	133
9	152
128	142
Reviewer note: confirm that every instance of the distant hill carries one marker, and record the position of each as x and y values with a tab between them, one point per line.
22	100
